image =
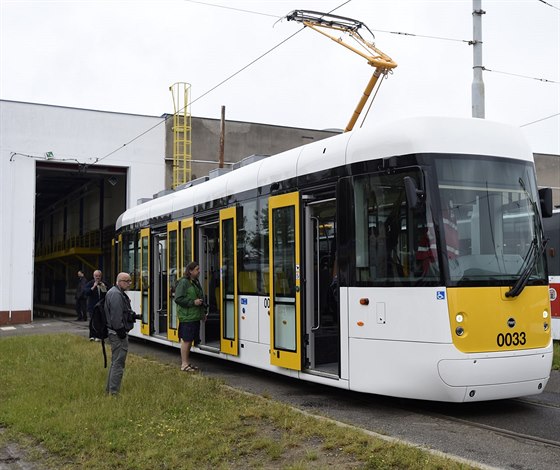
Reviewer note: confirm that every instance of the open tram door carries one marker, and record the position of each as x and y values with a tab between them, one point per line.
322	311
285	281
159	277
207	234
229	325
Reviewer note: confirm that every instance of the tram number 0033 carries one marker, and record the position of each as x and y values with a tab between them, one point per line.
511	339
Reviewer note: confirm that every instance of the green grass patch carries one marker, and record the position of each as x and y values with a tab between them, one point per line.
556	356
53	405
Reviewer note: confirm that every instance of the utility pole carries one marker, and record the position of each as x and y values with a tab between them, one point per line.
222	138
478	83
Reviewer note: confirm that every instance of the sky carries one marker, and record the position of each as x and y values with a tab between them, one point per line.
118	55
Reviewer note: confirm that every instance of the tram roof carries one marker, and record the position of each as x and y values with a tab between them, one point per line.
440	135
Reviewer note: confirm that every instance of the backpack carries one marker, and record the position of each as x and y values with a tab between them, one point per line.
98	325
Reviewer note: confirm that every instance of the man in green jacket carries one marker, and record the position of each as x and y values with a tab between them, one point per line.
189	298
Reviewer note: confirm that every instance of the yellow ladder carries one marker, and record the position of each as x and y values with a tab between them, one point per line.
181	133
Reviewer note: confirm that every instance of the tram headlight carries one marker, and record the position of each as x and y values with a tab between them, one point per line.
545	314
459	331
459	318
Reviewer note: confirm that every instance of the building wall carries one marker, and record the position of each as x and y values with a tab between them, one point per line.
241	139
27	132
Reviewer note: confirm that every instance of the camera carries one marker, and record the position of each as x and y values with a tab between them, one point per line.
133	316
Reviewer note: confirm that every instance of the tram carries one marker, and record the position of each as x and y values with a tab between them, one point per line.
405	260
552	233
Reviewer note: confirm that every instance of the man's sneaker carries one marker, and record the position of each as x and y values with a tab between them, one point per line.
92	339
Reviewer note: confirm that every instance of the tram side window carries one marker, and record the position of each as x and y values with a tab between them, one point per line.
284	251
248	248
394	245
263	279
130	257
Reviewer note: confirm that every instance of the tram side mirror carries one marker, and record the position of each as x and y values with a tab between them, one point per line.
413	194
545	197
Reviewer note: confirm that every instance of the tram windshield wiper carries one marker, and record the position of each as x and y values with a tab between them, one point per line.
533	255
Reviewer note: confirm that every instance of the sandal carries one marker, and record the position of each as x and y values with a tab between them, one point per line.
189	368
192	367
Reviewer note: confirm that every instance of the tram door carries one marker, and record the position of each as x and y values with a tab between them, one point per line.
209	260
173	273
145	285
159	286
322	332
285	275
229	324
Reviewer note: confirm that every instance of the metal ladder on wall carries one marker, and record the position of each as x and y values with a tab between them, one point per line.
181	133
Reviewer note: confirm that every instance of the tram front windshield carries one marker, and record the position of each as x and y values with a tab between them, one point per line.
490	231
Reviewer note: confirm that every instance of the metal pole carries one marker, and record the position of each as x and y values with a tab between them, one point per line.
477	84
222	137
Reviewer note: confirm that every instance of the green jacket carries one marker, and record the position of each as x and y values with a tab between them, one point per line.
186	293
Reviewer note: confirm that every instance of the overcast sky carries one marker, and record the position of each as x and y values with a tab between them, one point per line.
123	55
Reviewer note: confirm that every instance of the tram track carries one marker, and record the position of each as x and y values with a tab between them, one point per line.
502	431
523	418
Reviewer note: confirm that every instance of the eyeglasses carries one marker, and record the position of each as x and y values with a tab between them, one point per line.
125	280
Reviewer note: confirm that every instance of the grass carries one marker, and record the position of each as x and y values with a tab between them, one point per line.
556	356
53	406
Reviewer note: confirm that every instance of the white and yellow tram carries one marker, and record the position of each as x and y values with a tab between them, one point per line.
404	260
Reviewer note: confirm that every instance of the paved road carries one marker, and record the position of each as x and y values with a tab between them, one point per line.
488	433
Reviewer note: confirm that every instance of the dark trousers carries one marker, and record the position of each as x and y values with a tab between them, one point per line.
81	309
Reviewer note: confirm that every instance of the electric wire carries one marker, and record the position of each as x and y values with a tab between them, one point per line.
518	75
401	33
548	4
540	120
234	9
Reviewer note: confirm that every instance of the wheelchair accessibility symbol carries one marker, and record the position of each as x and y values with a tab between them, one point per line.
440	295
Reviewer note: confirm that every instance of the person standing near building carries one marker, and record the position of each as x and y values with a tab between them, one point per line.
189	298
120	320
80	296
95	290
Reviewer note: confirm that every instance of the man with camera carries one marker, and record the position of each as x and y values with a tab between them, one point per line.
191	309
95	290
120	320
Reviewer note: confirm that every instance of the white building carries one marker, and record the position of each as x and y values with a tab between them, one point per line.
39	140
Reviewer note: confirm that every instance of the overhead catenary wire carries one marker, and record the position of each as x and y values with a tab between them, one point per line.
402	33
540	120
548	4
519	75
234	9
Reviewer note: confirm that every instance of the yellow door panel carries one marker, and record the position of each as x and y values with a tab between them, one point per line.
285	281
145	280
229	341
173	274
490	321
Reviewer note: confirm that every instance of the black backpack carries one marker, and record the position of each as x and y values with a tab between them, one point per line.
98	325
